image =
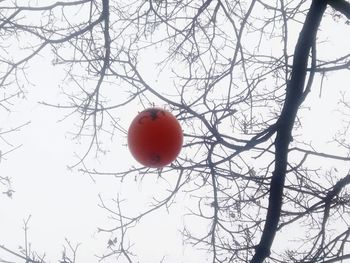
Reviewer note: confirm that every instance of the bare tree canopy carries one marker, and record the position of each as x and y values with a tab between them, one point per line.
240	75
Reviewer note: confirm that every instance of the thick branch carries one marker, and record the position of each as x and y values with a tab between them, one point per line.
294	95
341	6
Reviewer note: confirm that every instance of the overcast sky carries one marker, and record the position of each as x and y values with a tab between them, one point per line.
64	204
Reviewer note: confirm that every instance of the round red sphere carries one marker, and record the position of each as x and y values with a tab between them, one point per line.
155	137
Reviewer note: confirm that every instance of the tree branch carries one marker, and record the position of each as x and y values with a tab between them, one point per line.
341	6
293	99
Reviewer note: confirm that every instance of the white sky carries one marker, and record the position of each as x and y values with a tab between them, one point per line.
65	204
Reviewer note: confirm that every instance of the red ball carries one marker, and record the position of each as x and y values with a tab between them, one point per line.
155	137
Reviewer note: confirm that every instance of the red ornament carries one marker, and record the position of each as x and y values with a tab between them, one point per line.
155	137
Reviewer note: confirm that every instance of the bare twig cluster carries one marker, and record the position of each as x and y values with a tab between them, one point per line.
240	77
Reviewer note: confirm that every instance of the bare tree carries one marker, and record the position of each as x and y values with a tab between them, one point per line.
240	79
26	253
6	148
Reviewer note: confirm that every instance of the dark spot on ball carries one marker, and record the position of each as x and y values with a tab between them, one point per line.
153	114
155	158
